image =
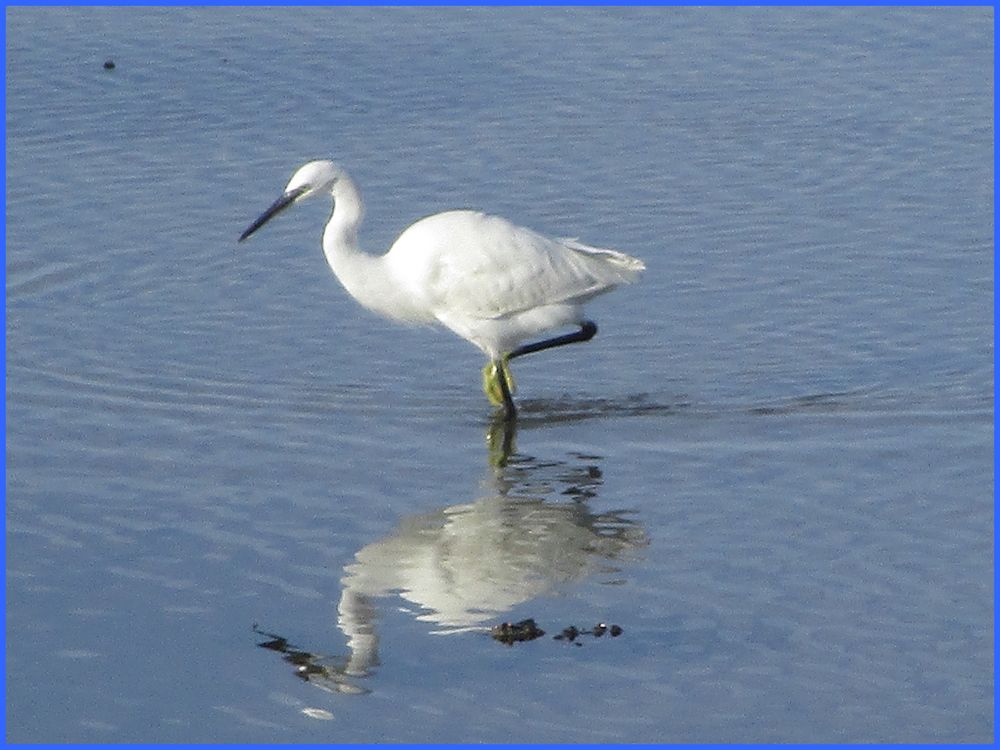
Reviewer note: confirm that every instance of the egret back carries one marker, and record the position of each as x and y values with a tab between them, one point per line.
484	267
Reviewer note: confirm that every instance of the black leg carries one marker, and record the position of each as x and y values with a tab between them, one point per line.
587	330
509	410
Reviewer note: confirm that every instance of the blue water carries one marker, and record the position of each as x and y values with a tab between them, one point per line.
772	468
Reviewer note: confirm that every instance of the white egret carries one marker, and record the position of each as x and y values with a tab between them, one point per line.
493	283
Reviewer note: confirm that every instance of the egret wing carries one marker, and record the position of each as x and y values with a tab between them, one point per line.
486	267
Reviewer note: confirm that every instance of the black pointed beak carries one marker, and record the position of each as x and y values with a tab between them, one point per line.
276	208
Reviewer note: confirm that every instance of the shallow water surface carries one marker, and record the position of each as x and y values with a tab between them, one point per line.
240	508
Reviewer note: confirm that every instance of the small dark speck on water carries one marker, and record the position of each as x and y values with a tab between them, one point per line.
109	64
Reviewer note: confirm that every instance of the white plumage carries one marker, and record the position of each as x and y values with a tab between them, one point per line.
490	281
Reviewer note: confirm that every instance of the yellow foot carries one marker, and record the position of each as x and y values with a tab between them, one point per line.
491	381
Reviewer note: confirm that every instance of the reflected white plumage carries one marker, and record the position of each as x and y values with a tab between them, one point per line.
492	282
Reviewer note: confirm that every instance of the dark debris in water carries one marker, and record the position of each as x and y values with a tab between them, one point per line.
510	633
572	632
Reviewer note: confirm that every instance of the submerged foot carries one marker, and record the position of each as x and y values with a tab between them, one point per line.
492	386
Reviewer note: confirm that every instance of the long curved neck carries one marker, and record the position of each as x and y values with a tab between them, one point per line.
365	277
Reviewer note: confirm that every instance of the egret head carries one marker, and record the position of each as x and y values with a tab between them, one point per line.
310	179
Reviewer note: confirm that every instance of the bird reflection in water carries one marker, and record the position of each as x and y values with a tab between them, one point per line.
462	566
327	672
